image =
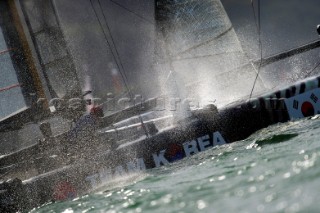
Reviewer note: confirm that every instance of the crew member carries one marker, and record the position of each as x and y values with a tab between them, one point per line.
87	124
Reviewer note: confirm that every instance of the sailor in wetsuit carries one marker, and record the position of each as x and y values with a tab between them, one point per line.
86	125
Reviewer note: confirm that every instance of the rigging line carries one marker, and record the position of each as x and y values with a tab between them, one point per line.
207	42
258	24
311	71
206	56
254	14
116	61
251	62
116	55
131	11
9	87
6	51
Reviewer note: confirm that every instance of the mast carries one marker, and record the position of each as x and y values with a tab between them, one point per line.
41	60
22	85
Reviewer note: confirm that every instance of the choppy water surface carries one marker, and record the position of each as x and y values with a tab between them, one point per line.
275	170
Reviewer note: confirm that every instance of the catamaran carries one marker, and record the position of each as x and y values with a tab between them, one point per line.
61	61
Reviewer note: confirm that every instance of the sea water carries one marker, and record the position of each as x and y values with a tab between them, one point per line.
275	170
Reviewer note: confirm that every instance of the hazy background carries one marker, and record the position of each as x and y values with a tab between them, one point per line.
285	25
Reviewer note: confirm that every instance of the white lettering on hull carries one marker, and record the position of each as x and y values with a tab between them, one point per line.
204	143
190	148
136	166
218	140
200	144
160	159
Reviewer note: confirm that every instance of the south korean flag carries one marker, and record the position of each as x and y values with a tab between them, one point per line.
304	105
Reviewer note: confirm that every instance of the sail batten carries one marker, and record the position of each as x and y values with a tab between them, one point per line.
191	22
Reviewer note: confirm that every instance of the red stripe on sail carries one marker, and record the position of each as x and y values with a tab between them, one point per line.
9	87
5	51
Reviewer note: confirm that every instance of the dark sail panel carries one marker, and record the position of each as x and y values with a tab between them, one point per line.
51	48
113	43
